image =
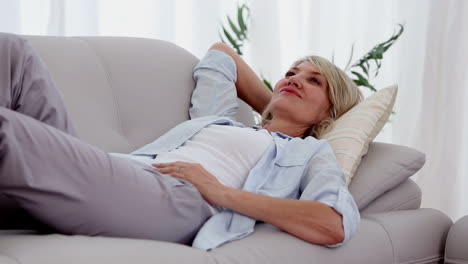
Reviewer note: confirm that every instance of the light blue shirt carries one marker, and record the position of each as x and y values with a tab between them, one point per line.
292	168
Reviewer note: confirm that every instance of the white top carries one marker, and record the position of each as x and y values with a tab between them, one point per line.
227	152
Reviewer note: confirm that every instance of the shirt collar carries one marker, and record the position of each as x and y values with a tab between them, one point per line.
279	134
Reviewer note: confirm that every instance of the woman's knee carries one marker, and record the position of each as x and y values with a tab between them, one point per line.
12	44
13	126
10	38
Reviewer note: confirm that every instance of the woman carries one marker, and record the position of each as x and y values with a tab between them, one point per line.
80	189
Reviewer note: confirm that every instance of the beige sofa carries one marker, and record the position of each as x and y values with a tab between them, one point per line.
456	247
124	92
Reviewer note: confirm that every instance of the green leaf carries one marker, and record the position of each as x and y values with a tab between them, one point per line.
232	41
373	58
362	81
361	78
268	84
378	63
235	29
376	53
240	19
235	34
364	69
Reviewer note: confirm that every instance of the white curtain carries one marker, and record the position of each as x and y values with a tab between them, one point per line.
428	62
434	102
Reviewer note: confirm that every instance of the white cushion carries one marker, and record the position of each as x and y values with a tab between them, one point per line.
351	134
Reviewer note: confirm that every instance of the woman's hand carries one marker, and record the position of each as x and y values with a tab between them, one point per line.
210	188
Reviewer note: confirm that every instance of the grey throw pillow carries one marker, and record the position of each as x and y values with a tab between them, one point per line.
383	168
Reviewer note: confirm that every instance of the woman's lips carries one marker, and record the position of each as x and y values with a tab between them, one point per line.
290	90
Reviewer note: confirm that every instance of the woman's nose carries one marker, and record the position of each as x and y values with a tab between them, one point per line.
294	81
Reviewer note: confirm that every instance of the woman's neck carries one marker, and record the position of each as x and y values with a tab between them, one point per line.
287	128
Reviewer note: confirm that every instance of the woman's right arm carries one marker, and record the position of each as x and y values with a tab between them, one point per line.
249	87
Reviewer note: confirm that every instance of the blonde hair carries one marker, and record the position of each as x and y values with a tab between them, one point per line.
342	91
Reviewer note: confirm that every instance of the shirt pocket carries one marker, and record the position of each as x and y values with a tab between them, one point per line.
291	160
286	177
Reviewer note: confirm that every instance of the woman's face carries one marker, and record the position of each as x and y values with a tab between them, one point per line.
301	96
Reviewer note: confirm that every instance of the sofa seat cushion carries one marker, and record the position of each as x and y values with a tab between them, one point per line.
413	236
7	260
59	249
266	245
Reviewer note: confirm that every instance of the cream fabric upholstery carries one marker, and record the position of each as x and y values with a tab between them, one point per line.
60	249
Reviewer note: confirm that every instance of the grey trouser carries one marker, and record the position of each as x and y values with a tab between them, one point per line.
70	185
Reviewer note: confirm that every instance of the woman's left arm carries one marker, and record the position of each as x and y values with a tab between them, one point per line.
312	221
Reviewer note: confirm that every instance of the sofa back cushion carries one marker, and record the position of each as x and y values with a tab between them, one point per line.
121	93
384	167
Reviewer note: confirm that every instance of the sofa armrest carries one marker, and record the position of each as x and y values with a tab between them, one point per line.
416	236
409	236
455	249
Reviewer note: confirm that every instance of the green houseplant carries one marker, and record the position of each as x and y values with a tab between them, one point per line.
361	71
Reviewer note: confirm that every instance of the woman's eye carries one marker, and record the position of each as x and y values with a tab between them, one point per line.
314	80
289	73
